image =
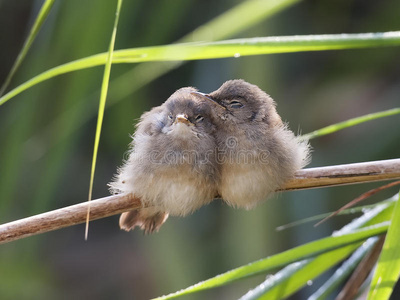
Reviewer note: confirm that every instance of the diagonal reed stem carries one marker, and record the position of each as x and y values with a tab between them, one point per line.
112	205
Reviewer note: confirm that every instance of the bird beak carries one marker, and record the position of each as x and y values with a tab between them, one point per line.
208	97
182	118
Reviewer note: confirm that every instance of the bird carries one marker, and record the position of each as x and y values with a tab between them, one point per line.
257	153
171	165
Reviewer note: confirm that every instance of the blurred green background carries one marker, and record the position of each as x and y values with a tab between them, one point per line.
47	135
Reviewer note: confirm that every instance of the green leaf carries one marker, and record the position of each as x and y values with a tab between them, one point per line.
388	268
43	13
284	258
291	279
351	122
296	279
344	270
274	280
380	213
103	96
222	49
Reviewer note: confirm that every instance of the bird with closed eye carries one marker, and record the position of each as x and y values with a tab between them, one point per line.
257	153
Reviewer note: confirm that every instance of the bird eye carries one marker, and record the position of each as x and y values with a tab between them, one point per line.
235	104
199	118
170	116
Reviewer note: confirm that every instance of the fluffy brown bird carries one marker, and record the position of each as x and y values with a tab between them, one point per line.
230	143
171	165
257	153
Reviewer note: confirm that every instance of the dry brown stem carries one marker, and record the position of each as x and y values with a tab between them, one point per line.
345	174
112	205
67	216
